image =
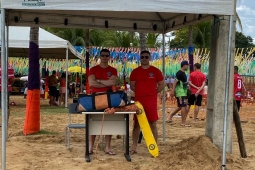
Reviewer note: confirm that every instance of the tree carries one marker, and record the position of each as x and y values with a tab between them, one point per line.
152	40
76	36
243	41
142	37
120	39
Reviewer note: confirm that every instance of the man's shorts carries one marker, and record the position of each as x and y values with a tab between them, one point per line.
181	101
193	100
53	90
238	104
8	99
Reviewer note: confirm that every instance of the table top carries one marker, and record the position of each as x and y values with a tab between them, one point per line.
91	113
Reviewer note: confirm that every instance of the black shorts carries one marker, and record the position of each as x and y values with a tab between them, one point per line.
181	101
193	100
238	104
8	100
53	90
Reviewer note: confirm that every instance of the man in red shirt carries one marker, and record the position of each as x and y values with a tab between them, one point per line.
11	80
146	81
238	83
197	81
102	78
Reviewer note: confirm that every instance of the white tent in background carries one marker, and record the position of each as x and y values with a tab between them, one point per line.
51	46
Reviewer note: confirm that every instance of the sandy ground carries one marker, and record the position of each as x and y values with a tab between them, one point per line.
184	148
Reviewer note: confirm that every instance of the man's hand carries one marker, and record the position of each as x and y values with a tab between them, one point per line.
197	93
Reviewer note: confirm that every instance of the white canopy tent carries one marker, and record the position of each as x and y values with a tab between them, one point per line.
51	46
159	16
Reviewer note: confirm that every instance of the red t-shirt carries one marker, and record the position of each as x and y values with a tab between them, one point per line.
102	74
10	75
197	78
238	81
146	81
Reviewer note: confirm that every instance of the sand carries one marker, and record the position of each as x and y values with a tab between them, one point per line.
184	148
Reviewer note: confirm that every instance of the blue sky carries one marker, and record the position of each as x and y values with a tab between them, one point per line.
246	12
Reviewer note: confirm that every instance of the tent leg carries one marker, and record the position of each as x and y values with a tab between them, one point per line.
66	95
7	63
164	93
227	94
4	89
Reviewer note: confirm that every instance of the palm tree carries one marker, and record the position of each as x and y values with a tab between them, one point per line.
152	40
32	120
120	39
74	35
142	37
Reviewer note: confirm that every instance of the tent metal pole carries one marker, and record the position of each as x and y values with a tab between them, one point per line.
4	89
226	107
81	77
7	64
164	93
66	94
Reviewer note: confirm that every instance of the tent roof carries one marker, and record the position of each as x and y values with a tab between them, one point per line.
128	15
50	45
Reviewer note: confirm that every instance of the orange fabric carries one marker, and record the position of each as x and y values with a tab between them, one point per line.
32	120
101	101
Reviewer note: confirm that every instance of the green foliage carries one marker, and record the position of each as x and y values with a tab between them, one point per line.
202	37
152	40
243	41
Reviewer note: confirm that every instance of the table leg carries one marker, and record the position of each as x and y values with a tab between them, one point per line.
87	157
126	154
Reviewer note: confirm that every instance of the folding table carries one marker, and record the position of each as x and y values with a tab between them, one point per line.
114	124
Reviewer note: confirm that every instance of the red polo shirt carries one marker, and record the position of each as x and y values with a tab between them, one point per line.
102	74
146	82
197	78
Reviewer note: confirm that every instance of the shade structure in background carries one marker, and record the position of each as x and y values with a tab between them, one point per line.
76	69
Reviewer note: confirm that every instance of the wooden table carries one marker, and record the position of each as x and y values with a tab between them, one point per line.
114	124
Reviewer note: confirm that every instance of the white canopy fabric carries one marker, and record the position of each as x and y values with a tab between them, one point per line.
50	45
128	15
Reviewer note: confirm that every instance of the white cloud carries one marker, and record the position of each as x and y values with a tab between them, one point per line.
246	10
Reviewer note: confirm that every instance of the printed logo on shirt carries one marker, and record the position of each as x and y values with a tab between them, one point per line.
151	75
109	74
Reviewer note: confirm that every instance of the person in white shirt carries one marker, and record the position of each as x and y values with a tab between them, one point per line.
128	92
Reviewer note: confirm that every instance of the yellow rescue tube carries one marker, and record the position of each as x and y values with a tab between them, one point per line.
146	130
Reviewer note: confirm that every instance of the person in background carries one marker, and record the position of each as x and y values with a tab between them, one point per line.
62	89
128	92
238	84
53	82
25	90
11	80
180	88
205	92
197	81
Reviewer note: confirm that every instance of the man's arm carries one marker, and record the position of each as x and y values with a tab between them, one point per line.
93	82
112	81
201	88
161	86
11	80
174	85
190	83
132	85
